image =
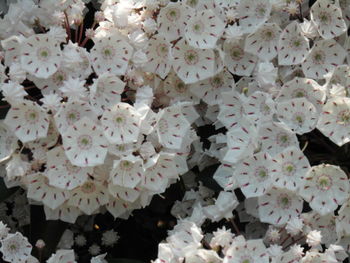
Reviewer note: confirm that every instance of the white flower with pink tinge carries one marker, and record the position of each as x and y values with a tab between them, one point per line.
292	167
255	174
246	251
193	64
172	20
111	54
324	57
105	92
293	46
121	123
325	187
278	205
28	121
253	14
71	112
64	212
210	90
156	177
41	55
127	171
263	42
334	121
62	173
204	29
40	190
328	19
238	61
89	197
85	144
15	248
171	127
159	56
299	114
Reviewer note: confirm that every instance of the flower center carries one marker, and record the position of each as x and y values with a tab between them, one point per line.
288	169
162	50
32	116
198	27
299	118
283	139
217	82
88	188
108	52
84	142
261	173
191	57
126	165
284	201
318	57
325	18
173	14
343	117
324	182
43	53
236	53
72	116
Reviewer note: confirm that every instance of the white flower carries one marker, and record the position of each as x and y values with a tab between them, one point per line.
127	171
74	89
210	90
40	55
238	61
298	114
64	212
85	144
171	127
193	64
253	13
4	230
62	174
231	109
51	102
292	168
242	251
106	55
72	112
99	259
13	92
303	88
325	187
313	238
324	56
335	120
109	238
16	167
16	73
277	206
324	223
89	196
328	19
275	137
158	51
172	20
28	121
263	42
293	47
156	177
204	29
40	190
15	248
121	123
259	107
255	174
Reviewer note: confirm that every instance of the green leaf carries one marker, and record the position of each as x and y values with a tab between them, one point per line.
123	260
6	192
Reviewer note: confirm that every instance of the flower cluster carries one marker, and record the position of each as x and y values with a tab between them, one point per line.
111	119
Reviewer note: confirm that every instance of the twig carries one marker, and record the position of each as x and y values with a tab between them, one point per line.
235	226
67	26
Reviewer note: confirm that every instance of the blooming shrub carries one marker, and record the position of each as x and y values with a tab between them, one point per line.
155	92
